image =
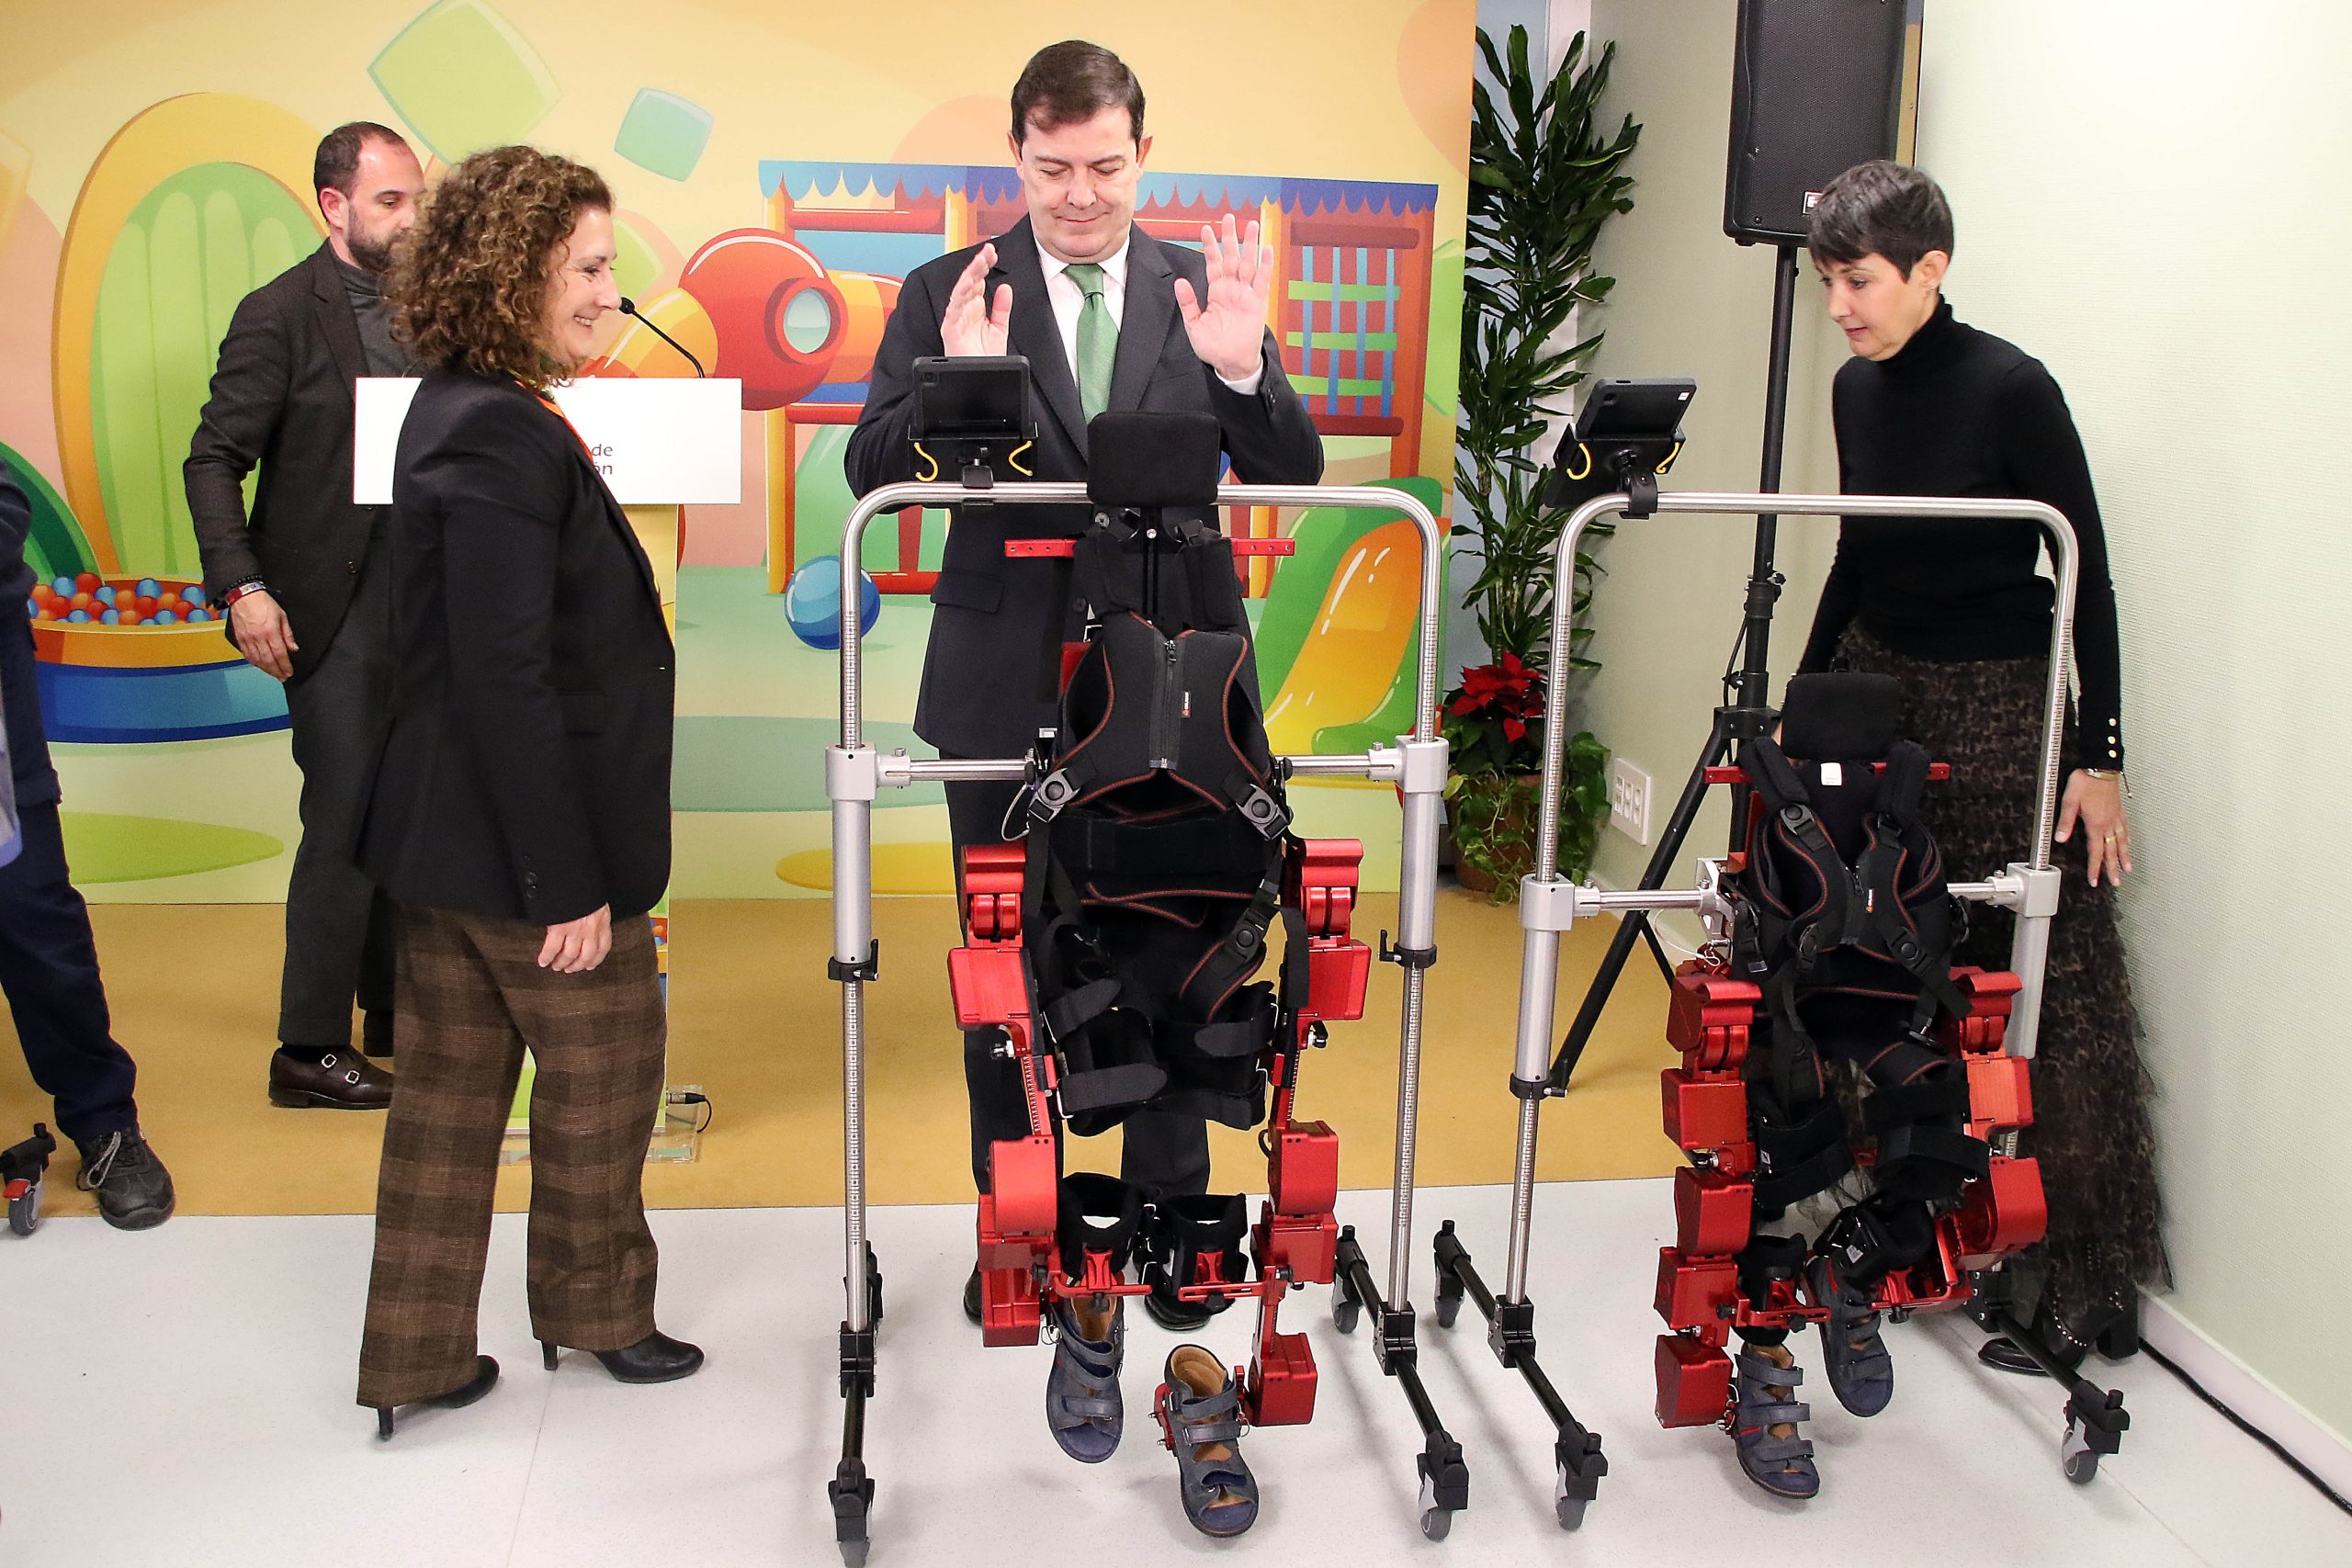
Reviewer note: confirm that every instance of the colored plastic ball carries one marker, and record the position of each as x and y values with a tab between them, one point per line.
192	594
32	606
812	603
77	616
146	603
104	596
107	619
198	613
149	587
165	617
87	582
62	586
130	616
81	602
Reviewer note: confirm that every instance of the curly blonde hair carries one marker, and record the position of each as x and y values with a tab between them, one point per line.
468	287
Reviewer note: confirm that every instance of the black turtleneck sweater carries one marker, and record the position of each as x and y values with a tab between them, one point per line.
1957	411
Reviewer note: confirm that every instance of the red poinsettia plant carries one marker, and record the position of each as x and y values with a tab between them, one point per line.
1494	720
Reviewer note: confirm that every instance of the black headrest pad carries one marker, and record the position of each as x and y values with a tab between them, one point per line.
1842	716
1139	459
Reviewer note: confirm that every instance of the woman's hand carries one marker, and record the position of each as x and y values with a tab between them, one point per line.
2099	804
577	946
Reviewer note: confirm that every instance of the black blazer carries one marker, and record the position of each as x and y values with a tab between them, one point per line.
527	773
991	674
281	402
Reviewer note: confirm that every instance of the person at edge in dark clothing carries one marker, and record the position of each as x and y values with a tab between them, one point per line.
1957	611
49	962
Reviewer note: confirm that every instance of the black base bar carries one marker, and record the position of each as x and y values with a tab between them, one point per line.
1446	1476
850	1493
1578	1461
2095	1419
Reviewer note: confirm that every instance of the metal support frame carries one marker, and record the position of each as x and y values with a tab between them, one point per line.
1549	906
856	774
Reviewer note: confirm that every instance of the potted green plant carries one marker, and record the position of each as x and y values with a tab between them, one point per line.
1544	176
1494	725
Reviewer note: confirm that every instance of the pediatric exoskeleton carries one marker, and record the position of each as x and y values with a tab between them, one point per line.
1115	943
1838	950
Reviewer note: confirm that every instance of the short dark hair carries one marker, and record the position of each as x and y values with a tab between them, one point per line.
1071	80
1880	208
337	164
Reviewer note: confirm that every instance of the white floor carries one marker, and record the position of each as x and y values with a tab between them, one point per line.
183	1398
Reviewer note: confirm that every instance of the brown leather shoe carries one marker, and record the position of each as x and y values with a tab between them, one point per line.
342	1081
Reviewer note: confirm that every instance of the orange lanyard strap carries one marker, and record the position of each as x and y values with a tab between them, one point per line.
556	409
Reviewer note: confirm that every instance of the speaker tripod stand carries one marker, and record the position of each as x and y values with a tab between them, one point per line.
1745	714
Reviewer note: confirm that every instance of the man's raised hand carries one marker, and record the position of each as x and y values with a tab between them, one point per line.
969	326
1228	330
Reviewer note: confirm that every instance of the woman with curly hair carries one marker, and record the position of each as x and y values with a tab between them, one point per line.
520	816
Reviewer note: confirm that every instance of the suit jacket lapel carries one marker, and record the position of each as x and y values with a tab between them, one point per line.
613	513
1144	320
619	516
1032	332
332	302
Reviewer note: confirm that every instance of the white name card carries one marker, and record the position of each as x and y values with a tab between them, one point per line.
658	442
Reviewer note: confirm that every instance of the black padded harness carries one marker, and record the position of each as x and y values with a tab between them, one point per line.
1156	843
1846	926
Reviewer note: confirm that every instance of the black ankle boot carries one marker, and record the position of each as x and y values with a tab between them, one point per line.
657	1358
465	1394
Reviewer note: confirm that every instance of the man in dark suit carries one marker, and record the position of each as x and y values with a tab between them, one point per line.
307	599
1108	317
48	964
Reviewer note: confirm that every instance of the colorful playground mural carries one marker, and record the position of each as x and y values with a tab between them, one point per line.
153	172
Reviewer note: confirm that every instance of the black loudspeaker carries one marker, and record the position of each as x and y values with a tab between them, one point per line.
1816	87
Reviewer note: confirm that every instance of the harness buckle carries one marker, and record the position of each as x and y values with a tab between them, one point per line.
1265	812
1053	792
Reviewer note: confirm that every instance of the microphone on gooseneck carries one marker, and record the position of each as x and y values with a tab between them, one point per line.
629	308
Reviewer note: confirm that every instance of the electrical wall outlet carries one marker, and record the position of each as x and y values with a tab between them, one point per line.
1629	800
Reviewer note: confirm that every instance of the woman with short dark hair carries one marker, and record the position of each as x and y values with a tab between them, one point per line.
520	816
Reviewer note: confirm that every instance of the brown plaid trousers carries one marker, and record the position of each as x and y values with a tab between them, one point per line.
470	996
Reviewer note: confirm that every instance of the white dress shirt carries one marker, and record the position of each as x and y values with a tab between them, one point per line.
1069	300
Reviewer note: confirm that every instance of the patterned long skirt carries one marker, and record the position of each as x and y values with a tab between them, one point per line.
2090	1131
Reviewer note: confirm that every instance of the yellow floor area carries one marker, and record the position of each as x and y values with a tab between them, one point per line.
754	1021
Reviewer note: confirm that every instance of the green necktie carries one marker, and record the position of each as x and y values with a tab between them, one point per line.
1098	341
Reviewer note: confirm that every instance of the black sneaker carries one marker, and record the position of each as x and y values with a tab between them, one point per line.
134	1189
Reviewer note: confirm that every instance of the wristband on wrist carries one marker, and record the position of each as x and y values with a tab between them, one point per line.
238	591
2112	775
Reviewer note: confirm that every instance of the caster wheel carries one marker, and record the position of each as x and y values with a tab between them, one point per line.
1448	1309
1566	1504
2076	1456
1344	1313
24	1213
1436	1522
